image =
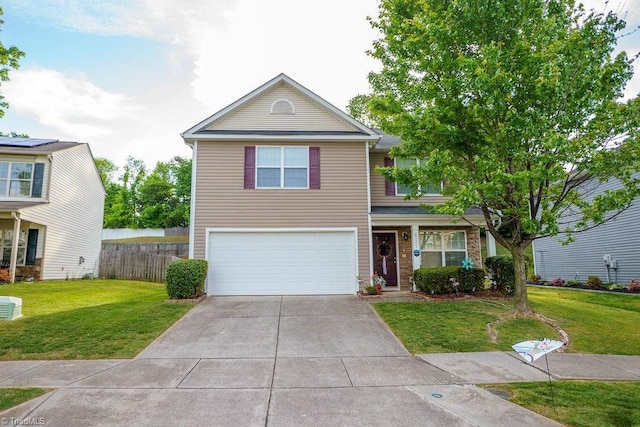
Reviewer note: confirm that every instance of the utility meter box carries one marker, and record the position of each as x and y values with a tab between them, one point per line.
10	308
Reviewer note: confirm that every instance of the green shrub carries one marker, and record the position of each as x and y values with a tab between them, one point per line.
437	280
185	278
471	280
594	281
501	270
615	287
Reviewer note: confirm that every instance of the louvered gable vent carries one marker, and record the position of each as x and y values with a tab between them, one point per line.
282	106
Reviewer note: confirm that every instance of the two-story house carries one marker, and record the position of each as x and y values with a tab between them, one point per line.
51	209
286	200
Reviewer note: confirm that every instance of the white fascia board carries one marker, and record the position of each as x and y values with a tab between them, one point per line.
432	220
190	139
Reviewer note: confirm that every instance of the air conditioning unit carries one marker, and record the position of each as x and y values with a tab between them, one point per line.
10	308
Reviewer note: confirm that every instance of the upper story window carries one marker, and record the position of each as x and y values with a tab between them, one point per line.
282	106
430	189
282	167
16	178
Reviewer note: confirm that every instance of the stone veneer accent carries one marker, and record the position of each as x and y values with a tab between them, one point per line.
25	271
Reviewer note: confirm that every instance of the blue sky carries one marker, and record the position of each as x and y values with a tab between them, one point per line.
128	76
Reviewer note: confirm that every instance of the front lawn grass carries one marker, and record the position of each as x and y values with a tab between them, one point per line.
579	403
86	319
596	322
10	397
458	326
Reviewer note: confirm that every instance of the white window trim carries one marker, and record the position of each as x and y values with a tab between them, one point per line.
398	193
282	167
7	189
443	251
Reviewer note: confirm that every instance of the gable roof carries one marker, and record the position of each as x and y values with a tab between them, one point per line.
33	145
204	131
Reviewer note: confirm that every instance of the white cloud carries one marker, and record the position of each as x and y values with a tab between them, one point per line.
163	20
236	45
71	106
320	44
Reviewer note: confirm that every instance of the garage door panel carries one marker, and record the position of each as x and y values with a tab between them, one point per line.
282	262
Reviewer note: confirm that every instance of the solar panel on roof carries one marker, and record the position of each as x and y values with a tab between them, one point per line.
25	142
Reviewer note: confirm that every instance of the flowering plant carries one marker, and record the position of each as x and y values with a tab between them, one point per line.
378	280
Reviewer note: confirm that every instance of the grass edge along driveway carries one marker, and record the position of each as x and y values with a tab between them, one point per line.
86	319
596	322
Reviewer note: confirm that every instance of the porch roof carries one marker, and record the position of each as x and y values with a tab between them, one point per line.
14	206
409	215
416	210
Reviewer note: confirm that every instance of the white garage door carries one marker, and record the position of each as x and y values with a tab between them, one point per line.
282	262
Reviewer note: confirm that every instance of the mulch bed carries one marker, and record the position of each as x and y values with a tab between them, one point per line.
483	294
186	300
588	288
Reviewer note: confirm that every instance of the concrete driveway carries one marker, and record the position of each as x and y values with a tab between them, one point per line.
256	361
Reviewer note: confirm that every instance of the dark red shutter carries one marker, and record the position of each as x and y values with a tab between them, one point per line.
314	168
250	167
389	186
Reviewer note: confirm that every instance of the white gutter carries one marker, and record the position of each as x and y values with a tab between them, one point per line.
192	209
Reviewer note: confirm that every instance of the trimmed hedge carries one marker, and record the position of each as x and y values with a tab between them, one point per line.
437	280
501	271
185	278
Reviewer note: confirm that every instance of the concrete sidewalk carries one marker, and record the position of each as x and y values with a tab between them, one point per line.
281	361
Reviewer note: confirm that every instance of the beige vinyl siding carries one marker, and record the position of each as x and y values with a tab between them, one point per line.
256	115
222	201
378	195
73	216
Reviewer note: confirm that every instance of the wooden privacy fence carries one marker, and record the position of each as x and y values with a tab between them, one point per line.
177	249
134	265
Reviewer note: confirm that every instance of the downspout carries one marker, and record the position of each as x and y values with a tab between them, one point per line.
14	246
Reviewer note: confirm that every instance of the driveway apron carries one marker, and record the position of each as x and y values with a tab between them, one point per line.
263	361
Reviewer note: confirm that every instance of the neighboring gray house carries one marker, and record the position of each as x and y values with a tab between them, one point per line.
618	240
51	209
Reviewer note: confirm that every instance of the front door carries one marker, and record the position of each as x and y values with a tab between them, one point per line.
385	257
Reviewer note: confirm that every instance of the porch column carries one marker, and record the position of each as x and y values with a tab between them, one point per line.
415	243
14	246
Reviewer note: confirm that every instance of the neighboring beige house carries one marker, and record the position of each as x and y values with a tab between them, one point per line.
51	209
286	200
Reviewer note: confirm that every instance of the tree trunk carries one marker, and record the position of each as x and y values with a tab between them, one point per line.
520	278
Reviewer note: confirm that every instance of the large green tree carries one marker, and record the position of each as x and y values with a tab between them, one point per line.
165	195
160	199
9	58
516	105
